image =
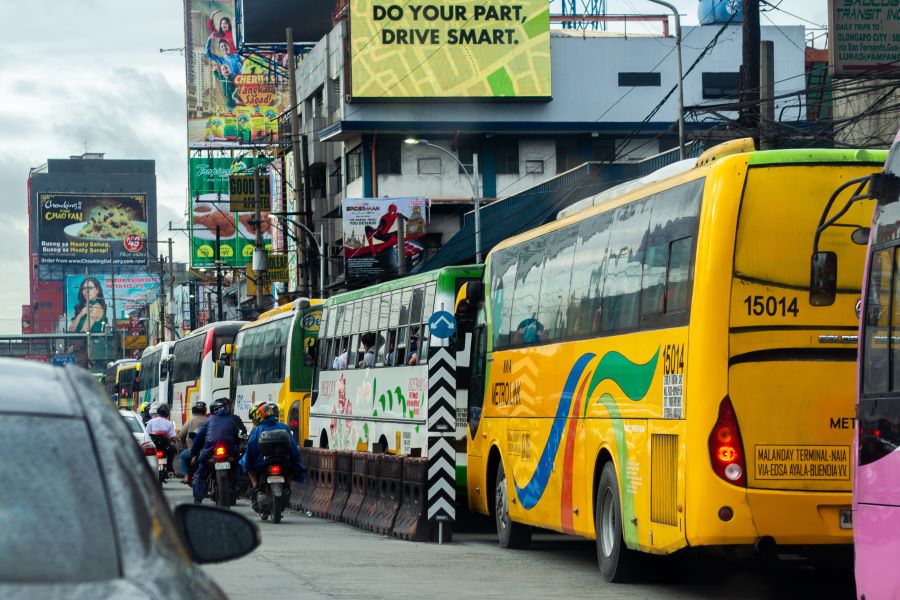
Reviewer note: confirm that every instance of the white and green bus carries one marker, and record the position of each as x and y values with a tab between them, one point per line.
379	402
154	383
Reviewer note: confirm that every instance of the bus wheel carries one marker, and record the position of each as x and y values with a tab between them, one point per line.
617	563
509	533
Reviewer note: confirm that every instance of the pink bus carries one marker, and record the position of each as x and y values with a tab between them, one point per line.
876	483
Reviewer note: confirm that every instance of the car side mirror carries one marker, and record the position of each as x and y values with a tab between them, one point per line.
215	534
823	279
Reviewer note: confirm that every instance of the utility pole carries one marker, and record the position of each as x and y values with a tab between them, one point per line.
172	288
766	93
192	306
115	329
162	298
476	188
750	69
259	249
401	243
299	199
219	316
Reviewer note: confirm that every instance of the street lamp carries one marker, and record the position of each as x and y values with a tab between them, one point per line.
680	76
473	181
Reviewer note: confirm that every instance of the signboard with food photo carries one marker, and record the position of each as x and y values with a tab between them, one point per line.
211	210
92	229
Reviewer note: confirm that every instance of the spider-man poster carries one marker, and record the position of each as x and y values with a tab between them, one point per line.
370	235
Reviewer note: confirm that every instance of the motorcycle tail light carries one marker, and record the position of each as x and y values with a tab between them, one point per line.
220	451
275	470
160	454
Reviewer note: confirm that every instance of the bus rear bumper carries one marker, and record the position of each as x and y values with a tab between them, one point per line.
787	518
800	517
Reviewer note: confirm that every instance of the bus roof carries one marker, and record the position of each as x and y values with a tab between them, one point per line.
233	325
817	155
397	284
686	170
156	348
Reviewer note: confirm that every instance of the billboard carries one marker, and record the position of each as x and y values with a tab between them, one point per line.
232	99
92	229
370	235
864	40
450	49
210	208
264	21
89	300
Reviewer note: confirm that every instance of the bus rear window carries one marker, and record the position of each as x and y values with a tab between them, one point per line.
779	214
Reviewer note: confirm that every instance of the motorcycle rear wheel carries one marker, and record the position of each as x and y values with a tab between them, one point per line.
276	506
223	489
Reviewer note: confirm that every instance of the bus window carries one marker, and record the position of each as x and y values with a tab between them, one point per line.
415	310
588	269
554	298
525	328
877	319
622	284
503	280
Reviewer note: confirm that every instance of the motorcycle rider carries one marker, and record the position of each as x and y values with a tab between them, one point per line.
265	417
162	426
219	427
186	438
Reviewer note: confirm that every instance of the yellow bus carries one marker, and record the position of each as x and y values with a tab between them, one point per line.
655	375
274	359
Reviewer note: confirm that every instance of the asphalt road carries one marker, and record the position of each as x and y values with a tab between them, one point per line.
312	559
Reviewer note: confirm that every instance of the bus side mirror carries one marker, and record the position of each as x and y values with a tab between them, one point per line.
823	279
224	360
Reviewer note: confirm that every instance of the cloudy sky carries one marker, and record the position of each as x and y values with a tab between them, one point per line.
90	74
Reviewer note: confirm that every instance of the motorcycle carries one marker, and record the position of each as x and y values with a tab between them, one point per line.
275	446
221	473
162	447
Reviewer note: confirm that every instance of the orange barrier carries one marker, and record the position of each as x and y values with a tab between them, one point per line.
370	505
344	462
321	502
389	488
411	523
357	497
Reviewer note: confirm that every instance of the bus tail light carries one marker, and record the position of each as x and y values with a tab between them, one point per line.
208	343
726	451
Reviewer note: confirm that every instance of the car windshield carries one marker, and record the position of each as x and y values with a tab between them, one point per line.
133	425
54	517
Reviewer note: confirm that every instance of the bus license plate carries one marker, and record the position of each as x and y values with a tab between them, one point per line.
276	479
846	519
223	466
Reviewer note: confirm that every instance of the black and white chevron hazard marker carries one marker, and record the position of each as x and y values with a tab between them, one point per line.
441	499
442	390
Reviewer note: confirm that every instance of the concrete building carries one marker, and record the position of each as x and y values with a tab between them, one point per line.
605	89
87	176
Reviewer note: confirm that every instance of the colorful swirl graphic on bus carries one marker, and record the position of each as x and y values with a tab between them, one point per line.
634	379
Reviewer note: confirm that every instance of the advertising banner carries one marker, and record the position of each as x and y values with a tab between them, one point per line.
232	99
450	49
370	235
210	208
864	38
92	229
89	300
264	21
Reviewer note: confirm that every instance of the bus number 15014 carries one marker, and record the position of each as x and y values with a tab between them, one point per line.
771	306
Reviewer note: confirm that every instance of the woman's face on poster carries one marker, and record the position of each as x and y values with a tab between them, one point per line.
225	71
89	291
225	24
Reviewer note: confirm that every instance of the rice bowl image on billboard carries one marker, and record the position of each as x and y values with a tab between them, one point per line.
92	229
370	235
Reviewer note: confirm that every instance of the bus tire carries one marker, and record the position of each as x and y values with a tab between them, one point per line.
618	564
509	533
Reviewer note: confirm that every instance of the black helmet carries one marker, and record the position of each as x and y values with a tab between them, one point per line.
163	410
199	408
220	405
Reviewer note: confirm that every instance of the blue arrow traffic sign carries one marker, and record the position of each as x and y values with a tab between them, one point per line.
442	324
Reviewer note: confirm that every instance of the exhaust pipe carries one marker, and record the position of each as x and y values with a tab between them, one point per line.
766	547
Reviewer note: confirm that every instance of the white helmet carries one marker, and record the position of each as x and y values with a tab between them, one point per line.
154	408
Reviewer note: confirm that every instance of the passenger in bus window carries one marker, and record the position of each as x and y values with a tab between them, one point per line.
368	342
391	349
412	358
529	331
340	361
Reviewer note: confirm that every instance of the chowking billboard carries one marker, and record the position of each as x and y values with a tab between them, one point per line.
211	209
233	98
450	49
92	229
370	235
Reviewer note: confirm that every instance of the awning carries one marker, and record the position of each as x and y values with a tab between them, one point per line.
540	204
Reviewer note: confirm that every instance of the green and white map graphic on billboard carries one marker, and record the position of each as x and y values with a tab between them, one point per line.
450	49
